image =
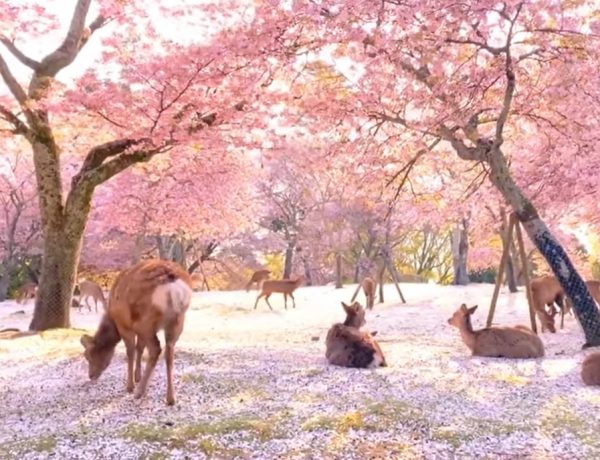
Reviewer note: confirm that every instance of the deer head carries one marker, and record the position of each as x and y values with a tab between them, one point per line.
98	358
355	315
461	316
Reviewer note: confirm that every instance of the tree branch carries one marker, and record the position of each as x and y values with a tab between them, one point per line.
98	154
66	53
510	83
20	127
13	85
16	52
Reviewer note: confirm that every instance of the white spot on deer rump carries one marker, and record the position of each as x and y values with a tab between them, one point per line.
172	297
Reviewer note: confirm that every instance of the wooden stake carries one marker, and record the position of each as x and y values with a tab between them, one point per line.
500	274
355	293
393	273
525	273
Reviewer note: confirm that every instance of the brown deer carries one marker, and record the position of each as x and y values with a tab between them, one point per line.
369	286
348	346
89	289
27	291
546	290
151	295
285	286
500	342
590	369
257	277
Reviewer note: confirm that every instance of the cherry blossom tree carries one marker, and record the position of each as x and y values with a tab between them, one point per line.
498	83
144	94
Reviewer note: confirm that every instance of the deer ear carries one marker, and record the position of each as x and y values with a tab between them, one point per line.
347	308
471	310
463	306
86	341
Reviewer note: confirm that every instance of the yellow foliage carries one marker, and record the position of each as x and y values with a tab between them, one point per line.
274	261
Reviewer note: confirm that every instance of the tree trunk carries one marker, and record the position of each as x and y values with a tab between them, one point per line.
380	276
511	278
289	259
460	248
57	282
4	281
584	306
356	272
307	271
338	271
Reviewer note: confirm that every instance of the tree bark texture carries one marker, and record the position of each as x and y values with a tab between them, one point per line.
338	271
289	260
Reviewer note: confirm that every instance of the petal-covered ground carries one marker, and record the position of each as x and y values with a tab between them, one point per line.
255	384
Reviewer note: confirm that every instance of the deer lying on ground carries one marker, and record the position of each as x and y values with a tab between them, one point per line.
369	286
348	346
25	292
590	369
257	277
546	290
500	342
285	286
152	295
89	289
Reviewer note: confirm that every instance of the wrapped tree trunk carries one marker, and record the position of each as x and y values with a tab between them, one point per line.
575	288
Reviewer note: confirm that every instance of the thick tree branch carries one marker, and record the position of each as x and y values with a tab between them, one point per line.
13	85
16	52
98	154
66	53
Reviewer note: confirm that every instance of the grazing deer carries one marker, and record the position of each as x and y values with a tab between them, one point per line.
257	277
546	290
590	369
286	287
369	285
500	342
89	289
26	291
152	295
348	346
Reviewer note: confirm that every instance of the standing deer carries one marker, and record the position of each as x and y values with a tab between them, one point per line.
89	289
369	286
286	287
500	342
546	290
257	277
348	346
27	291
150	296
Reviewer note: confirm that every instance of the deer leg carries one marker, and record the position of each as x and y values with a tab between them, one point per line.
139	352
129	340
172	333
285	300
268	303
154	350
257	299
293	300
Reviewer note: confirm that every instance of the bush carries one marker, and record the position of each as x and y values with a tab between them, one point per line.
484	275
